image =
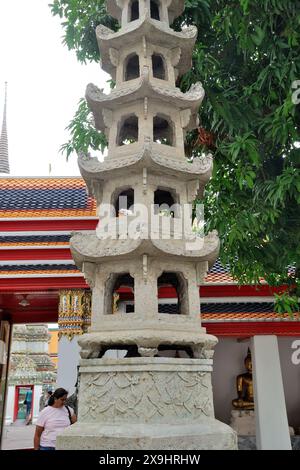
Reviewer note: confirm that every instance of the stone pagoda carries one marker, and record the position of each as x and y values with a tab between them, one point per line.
147	399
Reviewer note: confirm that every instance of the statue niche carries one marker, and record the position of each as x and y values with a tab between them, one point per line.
244	385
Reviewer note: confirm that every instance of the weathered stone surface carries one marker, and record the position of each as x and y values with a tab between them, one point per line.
145	390
243	422
207	434
146	403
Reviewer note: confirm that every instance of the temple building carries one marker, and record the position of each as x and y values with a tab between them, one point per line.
31	373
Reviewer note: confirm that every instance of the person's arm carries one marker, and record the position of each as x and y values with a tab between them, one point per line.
37	437
73	418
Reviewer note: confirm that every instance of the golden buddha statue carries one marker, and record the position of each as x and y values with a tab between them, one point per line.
115	306
244	385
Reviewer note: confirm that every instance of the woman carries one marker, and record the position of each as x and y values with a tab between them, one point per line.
53	420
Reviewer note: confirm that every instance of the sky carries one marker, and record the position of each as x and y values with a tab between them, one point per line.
45	83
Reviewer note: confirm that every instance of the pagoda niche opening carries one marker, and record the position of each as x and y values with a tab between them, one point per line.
165	202
122	350
158	67
116	285
177	350
154	10
178	283
123	200
134	10
128	131
132	67
163	130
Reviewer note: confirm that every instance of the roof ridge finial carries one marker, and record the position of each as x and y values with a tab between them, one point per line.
4	162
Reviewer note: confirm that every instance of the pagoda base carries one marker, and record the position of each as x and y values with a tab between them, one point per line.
208	434
146	403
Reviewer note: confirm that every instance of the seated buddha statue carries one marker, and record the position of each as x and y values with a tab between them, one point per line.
244	385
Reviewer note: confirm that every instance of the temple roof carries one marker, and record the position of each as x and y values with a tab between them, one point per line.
155	33
45	198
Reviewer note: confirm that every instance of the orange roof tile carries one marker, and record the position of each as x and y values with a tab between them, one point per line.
249	316
40	183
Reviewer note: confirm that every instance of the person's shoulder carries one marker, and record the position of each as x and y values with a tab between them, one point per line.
44	410
43	416
47	410
70	408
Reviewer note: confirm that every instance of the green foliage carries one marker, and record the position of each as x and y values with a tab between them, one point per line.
247	57
79	20
84	135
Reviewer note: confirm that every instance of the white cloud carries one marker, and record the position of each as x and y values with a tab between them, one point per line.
45	82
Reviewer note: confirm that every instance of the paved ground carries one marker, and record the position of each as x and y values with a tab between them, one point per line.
18	436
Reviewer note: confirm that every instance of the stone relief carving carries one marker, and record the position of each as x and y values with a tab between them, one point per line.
97	97
145	397
114	56
185	117
175	56
107	117
201	165
145	46
196	93
89	271
92	247
193	189
106	34
104	31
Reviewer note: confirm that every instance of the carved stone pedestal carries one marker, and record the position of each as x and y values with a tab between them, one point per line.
146	403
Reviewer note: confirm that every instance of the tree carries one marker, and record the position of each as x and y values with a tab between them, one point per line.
247	57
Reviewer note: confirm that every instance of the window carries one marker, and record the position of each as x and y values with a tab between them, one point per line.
132	67
163	132
128	131
123	201
134	11
116	286
158	67
179	286
154	10
165	202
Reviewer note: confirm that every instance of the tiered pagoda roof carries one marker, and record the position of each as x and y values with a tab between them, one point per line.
149	29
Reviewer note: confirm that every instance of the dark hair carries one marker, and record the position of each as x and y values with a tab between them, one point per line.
59	392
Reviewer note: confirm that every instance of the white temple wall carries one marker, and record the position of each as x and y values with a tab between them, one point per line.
10	403
37	392
229	362
291	378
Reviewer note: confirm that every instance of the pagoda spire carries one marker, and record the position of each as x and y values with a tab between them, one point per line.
4	163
